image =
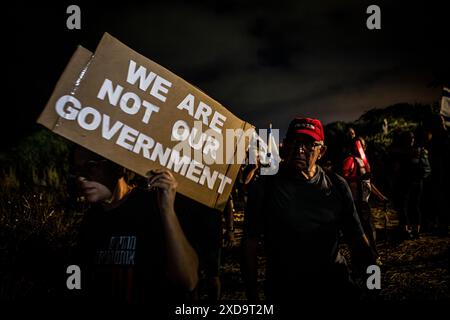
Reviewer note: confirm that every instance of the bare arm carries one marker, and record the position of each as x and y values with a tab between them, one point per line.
251	173
361	252
182	261
378	193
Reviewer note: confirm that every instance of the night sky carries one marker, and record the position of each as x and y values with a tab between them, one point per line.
266	61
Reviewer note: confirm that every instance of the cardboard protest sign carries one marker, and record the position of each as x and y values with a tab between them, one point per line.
138	114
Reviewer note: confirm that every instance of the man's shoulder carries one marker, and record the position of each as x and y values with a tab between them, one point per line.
335	177
337	180
267	181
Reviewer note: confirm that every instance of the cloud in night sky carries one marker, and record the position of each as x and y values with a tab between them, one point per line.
265	61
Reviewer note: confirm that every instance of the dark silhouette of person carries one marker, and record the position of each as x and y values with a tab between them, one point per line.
409	167
302	212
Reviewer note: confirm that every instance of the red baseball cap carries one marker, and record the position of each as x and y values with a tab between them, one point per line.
308	126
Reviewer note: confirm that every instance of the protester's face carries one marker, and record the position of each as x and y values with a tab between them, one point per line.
302	152
96	176
351	133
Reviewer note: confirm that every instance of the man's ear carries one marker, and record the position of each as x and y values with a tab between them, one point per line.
323	150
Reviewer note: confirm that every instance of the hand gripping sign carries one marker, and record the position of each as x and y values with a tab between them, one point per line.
138	114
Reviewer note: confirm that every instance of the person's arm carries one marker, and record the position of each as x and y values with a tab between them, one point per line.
229	223
361	252
182	261
250	173
378	193
252	231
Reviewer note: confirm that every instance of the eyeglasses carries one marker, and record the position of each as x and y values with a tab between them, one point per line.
303	145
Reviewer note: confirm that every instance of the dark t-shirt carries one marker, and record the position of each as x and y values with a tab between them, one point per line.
301	222
122	252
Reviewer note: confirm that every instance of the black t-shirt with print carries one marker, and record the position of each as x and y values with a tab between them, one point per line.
302	222
123	252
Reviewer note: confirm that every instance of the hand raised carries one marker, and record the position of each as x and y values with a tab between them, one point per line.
165	184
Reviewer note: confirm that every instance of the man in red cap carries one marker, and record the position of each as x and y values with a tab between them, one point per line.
302	212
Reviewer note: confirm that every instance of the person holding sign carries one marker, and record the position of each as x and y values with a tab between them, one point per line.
132	247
